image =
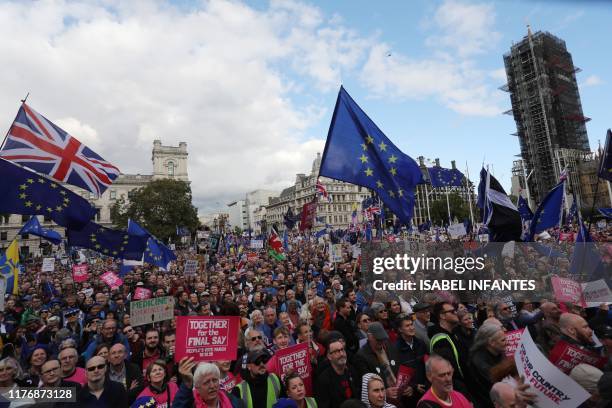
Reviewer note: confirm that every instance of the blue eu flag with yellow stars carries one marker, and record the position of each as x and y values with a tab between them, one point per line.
358	152
548	214
441	177
33	227
524	210
25	192
155	252
109	242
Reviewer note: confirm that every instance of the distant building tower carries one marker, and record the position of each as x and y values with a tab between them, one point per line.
546	108
169	161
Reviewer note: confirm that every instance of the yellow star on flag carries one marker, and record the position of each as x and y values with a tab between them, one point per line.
368	171
363	158
392	159
30	181
393	171
379	184
369	139
391	193
400	192
382	146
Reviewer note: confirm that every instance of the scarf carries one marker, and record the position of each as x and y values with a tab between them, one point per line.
224	401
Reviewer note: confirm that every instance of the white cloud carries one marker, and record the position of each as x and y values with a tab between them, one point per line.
120	74
592	80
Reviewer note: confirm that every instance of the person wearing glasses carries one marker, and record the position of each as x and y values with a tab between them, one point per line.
51	378
98	391
69	358
201	389
503	311
258	389
363	322
334	384
108	335
253	340
136	343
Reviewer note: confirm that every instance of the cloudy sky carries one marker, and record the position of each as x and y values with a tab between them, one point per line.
250	86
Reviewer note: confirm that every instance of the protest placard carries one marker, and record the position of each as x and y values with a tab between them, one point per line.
294	358
552	388
567	290
203	234
191	267
356	251
335	253
252	256
142	293
206	338
596	292
48	265
513	339
80	272
256	243
566	356
151	310
112	280
404	376
456	230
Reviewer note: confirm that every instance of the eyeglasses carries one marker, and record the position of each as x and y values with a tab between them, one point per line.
49	371
98	367
450	311
256	338
340	350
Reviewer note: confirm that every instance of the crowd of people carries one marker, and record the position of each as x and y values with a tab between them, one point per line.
366	350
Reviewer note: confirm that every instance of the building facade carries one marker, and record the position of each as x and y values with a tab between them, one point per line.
167	161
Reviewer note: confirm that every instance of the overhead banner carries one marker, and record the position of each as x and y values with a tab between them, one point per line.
151	310
552	388
207	338
80	273
48	265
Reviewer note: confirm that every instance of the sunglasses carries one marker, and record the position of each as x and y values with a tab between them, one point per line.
98	367
256	338
260	361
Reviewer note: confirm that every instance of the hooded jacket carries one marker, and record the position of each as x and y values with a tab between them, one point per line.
365	381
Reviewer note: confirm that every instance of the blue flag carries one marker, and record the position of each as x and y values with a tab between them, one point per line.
156	253
548	214
109	242
606	212
286	241
368	232
605	164
358	152
182	231
524	210
425	226
25	192
573	213
585	259
441	177
33	227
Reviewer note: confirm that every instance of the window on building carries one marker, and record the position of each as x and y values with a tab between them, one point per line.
25	218
25	236
98	214
47	218
113	194
91	195
171	169
335	219
3	236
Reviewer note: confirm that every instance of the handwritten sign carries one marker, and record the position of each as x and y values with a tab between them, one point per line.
48	265
80	273
191	267
596	293
112	280
151	310
206	338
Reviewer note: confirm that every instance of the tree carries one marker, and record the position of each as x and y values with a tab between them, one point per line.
160	206
458	208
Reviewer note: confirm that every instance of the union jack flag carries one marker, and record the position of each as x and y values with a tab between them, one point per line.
322	191
37	143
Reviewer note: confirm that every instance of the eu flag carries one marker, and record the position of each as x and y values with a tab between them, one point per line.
606	212
109	242
156	253
524	210
441	177
358	152
605	165
548	214
585	258
33	227
25	192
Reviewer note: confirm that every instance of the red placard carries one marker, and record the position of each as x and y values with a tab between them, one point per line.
567	356
207	338
404	376
567	290
308	215
112	280
295	358
142	294
252	256
79	273
513	338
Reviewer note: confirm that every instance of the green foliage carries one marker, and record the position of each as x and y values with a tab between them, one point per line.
459	209
160	207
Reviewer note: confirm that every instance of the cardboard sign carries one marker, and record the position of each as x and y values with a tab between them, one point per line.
553	388
48	265
79	273
335	253
456	230
112	280
142	293
206	338
151	310
595	293
567	356
297	359
256	244
191	267
513	338
567	290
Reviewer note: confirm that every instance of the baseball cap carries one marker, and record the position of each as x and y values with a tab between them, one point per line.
258	354
377	330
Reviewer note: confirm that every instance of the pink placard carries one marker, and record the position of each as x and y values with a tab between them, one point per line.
207	338
80	272
142	293
294	358
567	290
112	280
513	338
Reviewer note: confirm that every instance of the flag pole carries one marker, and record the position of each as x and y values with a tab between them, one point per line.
448	206
469	191
427	202
7	133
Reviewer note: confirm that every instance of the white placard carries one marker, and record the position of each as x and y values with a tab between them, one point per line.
191	267
456	230
335	253
483	237
151	310
595	293
48	264
553	388
256	244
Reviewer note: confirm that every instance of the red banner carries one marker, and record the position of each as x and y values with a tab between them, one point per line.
251	256
513	338
567	290
295	358
142	294
309	211
112	280
79	273
567	356
207	338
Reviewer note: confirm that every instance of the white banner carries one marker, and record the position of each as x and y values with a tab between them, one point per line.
48	264
335	253
256	243
456	230
553	388
151	310
595	293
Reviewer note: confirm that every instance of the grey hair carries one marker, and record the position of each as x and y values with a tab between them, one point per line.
254	312
12	362
204	369
483	335
433	358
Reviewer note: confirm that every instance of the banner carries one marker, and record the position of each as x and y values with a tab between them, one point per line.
456	230
142	293
566	356
256	244
251	256
553	388
191	267
567	290
112	280
79	273
595	293
206	338
513	338
48	265
309	211
151	310
335	253
294	358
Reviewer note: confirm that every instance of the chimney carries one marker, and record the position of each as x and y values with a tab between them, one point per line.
453	165
437	162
